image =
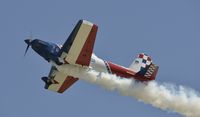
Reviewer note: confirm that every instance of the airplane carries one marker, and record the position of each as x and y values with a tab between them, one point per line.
78	51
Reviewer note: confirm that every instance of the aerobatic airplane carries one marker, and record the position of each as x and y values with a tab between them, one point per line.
78	51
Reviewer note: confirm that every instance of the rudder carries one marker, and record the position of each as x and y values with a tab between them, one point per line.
144	67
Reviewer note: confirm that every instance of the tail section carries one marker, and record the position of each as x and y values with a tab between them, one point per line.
144	67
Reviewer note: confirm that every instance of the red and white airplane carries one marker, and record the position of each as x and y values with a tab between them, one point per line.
78	51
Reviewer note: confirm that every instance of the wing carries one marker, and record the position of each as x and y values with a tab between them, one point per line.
58	81
79	46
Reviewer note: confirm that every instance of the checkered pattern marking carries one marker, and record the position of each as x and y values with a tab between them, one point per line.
146	60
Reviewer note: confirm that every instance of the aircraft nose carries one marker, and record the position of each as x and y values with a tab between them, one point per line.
28	41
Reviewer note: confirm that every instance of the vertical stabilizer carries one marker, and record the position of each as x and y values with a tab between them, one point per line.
144	67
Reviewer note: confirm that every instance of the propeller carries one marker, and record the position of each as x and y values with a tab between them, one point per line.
28	42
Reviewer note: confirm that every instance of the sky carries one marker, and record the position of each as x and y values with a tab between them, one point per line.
167	30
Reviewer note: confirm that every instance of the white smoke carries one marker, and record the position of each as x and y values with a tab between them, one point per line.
164	96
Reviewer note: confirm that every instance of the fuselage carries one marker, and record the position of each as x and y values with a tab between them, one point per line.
49	51
109	67
101	65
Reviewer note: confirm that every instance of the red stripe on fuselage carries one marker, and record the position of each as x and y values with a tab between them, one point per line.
121	71
127	73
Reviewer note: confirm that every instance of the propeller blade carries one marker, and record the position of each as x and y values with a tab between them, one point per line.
28	42
26	49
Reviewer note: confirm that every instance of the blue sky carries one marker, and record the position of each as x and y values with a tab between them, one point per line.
169	31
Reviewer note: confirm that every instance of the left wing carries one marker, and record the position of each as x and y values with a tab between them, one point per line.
79	46
58	81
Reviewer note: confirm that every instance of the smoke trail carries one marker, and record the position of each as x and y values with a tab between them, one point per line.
164	96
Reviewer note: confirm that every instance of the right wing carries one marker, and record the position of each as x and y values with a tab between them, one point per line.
58	81
79	46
